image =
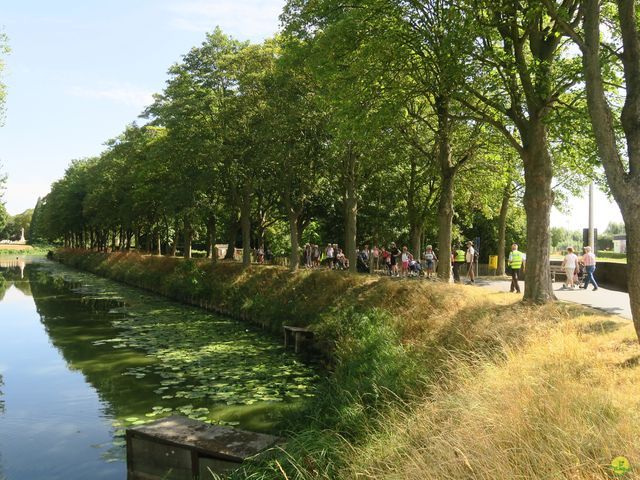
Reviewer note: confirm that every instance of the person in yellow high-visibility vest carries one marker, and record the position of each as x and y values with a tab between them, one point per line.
458	260
516	262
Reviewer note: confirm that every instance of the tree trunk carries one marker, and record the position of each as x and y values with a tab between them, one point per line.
137	239
232	234
212	234
167	236
188	238
413	211
415	240
176	236
245	222
260	231
445	224
502	229
147	241
294	256
158	239
632	228
351	206
538	199
351	210
209	243
623	181
302	224
447	177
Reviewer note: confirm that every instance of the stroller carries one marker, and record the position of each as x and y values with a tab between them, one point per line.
415	269
582	275
362	265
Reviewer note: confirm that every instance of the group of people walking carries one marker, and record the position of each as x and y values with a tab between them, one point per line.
334	257
397	262
575	267
460	258
392	260
400	262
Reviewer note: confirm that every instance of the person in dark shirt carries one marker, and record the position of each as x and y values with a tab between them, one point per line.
395	254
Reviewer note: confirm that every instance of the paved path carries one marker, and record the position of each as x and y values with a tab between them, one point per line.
610	301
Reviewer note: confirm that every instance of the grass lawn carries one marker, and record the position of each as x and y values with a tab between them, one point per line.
10	249
15	248
558	258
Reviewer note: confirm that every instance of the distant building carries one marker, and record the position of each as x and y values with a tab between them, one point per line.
620	243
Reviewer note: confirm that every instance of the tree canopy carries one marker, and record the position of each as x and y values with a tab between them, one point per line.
426	121
4	50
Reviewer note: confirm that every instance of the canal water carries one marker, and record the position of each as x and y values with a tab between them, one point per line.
82	358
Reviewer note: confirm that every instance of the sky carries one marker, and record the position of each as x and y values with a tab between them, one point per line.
604	211
80	71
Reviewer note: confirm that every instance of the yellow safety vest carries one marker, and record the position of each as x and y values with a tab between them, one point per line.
460	256
516	259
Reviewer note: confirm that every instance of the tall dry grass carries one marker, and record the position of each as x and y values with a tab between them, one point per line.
561	406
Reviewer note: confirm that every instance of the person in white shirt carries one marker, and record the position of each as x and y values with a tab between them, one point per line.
405	261
470	260
430	260
570	265
329	255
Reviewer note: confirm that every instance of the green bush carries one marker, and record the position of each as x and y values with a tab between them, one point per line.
186	280
369	358
603	254
372	372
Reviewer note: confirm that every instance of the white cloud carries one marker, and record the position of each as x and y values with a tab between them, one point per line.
123	94
245	19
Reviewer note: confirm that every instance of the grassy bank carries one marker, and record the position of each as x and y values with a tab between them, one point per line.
603	257
428	380
8	249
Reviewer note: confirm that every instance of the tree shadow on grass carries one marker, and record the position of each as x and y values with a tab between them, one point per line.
630	362
601	327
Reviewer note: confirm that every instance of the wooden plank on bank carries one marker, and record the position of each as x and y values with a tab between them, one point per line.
298	333
188	447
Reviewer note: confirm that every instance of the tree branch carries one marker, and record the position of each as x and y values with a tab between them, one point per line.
565	26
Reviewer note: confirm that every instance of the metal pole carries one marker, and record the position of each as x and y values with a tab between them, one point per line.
591	235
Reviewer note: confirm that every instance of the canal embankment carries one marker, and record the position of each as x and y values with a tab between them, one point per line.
428	380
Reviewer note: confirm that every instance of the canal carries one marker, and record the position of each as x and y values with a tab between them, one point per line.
82	358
